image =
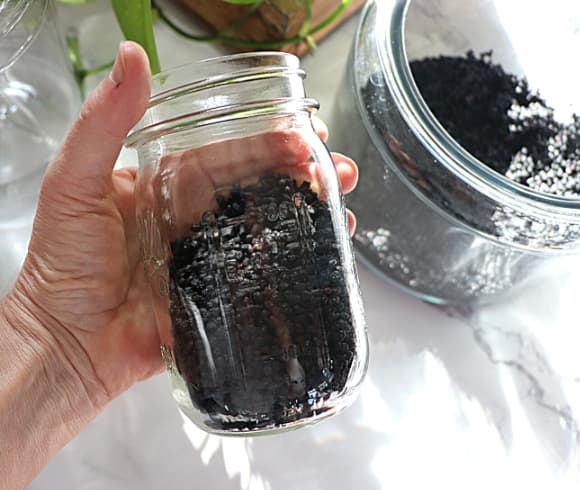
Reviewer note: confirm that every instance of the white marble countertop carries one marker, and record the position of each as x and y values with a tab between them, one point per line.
482	398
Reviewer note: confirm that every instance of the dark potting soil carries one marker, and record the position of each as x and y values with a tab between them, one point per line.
261	314
495	116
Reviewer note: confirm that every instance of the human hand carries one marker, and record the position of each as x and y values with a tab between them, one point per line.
80	309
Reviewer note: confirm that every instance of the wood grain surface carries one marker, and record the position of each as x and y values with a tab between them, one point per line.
272	21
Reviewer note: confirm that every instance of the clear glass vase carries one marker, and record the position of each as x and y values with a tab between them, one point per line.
246	245
432	218
39	99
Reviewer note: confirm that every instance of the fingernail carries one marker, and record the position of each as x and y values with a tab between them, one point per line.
118	72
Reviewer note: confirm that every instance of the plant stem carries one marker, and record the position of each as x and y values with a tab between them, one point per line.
223	37
235	27
80	72
307	18
99	69
135	17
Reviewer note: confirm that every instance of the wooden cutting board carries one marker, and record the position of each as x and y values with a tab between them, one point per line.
273	20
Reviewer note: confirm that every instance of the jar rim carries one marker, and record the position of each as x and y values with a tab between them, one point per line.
395	65
198	119
11	14
210	74
162	82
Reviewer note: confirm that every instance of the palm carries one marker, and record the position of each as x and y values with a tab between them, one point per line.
93	282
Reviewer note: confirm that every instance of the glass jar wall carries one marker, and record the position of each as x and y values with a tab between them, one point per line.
431	217
246	245
39	99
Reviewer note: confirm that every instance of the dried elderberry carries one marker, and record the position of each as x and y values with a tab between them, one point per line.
262	325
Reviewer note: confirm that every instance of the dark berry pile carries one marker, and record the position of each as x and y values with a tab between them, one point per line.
495	116
261	314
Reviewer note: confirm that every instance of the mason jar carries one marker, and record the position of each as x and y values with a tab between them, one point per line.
39	99
246	246
432	218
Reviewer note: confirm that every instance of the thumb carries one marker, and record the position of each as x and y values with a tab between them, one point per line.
86	160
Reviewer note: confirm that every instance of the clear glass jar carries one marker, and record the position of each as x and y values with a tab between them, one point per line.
246	245
432	218
39	99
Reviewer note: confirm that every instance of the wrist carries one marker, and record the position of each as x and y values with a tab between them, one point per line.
54	341
43	402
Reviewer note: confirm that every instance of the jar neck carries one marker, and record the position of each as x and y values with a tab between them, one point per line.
233	128
20	22
247	88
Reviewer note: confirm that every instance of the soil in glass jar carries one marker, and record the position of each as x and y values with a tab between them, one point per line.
262	326
500	120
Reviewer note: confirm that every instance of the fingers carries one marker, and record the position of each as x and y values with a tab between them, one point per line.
347	171
228	161
215	167
233	160
96	138
351	222
246	157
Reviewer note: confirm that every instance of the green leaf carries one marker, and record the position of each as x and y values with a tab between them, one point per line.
74	54
225	36
307	18
77	2
245	2
135	18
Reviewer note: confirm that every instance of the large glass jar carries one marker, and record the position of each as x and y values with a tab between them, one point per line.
246	245
39	99
432	218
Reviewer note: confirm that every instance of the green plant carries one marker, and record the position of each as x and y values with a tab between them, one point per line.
136	18
305	34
